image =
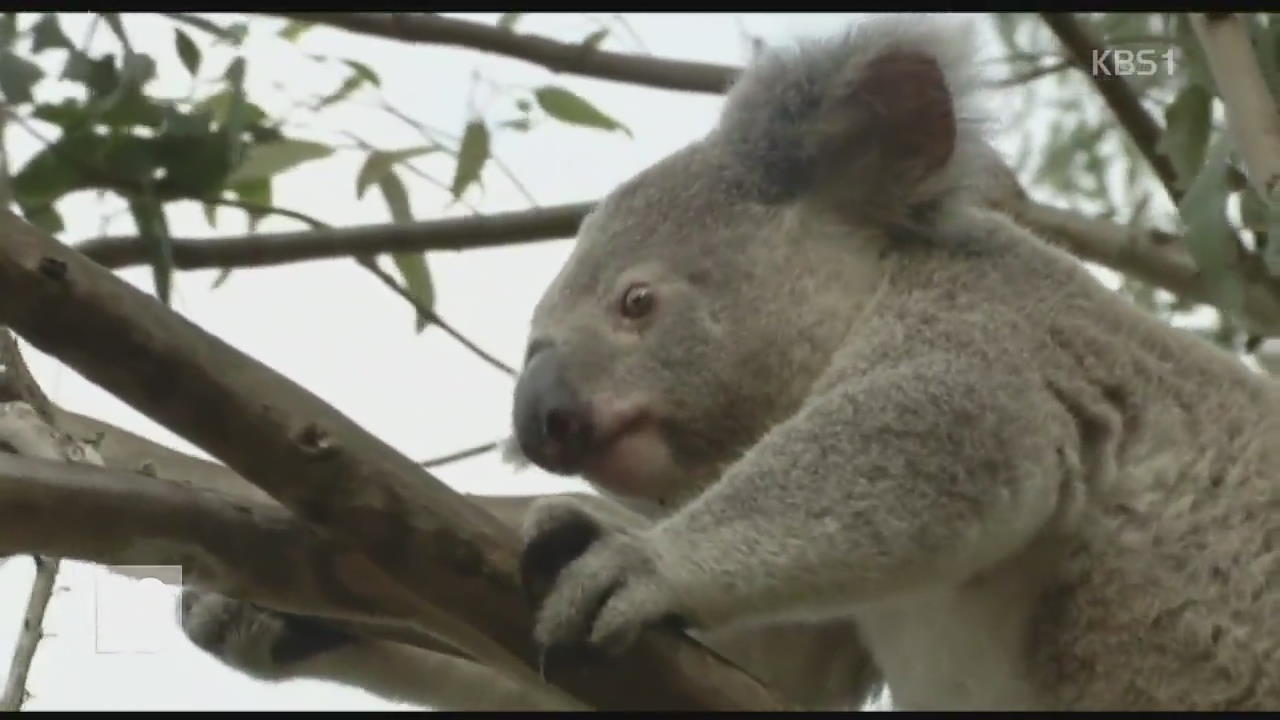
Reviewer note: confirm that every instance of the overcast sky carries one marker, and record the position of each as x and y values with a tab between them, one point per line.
332	327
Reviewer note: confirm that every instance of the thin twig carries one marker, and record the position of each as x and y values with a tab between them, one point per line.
1031	74
551	54
459	455
430	314
15	688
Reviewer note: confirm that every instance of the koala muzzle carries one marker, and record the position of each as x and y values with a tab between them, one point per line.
552	425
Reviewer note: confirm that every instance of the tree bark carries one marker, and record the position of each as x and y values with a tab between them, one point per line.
404	541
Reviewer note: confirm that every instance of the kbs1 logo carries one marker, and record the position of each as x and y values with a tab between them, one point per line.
1120	62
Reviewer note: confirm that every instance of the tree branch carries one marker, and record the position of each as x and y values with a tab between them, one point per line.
15	687
572	58
1141	127
1252	116
416	545
18	387
460	233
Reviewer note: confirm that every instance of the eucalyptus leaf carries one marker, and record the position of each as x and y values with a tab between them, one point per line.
473	153
594	39
233	34
381	162
412	265
17	77
188	51
508	20
1209	238
148	215
265	160
47	34
566	106
295	29
1188	120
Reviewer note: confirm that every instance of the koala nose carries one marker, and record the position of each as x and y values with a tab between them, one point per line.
552	425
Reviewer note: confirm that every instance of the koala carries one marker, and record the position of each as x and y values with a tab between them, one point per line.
837	408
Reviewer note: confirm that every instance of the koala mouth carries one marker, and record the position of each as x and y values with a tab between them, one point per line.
628	454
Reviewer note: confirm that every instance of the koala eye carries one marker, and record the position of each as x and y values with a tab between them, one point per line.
637	301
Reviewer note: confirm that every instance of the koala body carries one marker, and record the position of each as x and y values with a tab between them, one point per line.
863	415
860	395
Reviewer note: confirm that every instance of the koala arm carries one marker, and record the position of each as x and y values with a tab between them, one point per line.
924	472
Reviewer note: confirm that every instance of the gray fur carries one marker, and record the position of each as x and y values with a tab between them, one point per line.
896	408
886	420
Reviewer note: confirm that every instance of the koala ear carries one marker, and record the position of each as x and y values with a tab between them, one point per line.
873	121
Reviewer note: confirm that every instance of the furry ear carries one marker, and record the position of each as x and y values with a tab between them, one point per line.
875	121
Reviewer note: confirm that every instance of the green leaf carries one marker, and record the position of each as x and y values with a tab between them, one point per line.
47	34
508	20
348	86
519	124
256	192
44	217
235	123
188	52
1187	123
594	39
412	265
417	282
8	29
117	27
364	71
568	107
148	215
472	155
233	33
1210	239
295	29
266	160
381	162
360	74
17	77
99	75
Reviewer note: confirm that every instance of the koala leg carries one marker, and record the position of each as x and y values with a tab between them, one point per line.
271	645
924	472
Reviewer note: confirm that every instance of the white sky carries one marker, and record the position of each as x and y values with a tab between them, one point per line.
332	327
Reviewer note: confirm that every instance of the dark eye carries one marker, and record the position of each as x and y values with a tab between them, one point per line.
637	301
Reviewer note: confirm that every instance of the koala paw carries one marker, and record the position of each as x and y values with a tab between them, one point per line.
260	642
596	585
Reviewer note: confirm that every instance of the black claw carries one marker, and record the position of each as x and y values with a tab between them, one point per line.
306	637
563	658
675	623
547	554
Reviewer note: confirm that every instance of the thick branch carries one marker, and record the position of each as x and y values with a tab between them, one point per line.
421	548
18	386
1252	116
556	56
461	233
1115	90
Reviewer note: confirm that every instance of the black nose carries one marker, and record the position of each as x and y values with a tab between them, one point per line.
552	424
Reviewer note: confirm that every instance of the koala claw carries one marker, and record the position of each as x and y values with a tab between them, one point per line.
595	586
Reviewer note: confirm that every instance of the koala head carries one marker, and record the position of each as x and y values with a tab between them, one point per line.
706	295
